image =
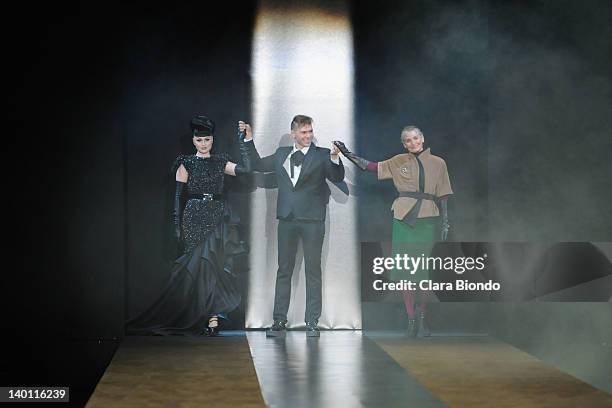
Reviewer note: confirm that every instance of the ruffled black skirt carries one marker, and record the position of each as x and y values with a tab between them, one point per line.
204	282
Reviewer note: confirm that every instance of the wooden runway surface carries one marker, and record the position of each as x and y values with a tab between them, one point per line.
342	368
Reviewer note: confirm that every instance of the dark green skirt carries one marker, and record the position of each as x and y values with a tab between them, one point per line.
414	241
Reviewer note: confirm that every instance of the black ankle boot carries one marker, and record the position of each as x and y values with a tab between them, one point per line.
411	331
423	329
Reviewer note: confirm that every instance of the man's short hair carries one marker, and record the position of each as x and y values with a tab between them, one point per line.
299	121
407	129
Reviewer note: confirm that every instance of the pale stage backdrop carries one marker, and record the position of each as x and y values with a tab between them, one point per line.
303	64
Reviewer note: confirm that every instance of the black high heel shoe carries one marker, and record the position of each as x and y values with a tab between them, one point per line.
214	326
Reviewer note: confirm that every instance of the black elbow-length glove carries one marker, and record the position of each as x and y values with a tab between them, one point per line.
358	161
178	195
244	166
444	225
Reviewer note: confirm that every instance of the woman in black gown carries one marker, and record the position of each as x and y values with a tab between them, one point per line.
203	286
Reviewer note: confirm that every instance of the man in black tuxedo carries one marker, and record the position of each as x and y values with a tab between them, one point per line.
303	195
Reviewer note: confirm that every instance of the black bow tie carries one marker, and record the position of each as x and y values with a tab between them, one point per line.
296	160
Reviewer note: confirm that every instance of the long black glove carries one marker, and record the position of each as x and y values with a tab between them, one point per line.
359	161
178	193
245	160
444	226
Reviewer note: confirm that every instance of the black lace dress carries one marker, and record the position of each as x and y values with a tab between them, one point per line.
204	280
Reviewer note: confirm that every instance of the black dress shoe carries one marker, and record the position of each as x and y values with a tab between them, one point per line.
278	329
312	330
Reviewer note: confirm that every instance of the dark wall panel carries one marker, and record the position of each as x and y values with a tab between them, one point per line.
66	172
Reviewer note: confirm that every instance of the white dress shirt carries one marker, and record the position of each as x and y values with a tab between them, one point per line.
298	169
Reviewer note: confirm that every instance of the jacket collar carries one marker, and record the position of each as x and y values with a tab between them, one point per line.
424	153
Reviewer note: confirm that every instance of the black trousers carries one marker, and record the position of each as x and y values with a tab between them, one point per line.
289	234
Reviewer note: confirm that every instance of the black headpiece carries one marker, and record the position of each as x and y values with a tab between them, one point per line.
202	126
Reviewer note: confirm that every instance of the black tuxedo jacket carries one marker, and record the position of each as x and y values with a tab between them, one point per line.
307	201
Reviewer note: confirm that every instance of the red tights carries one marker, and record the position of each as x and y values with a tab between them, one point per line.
409	301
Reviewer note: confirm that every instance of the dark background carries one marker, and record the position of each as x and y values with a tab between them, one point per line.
514	95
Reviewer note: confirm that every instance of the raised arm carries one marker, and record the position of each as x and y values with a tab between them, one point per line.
360	162
334	170
265	164
244	166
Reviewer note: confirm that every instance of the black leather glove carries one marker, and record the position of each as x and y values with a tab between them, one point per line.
444	226
245	160
359	161
178	193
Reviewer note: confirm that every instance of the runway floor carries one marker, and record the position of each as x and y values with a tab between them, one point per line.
340	369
